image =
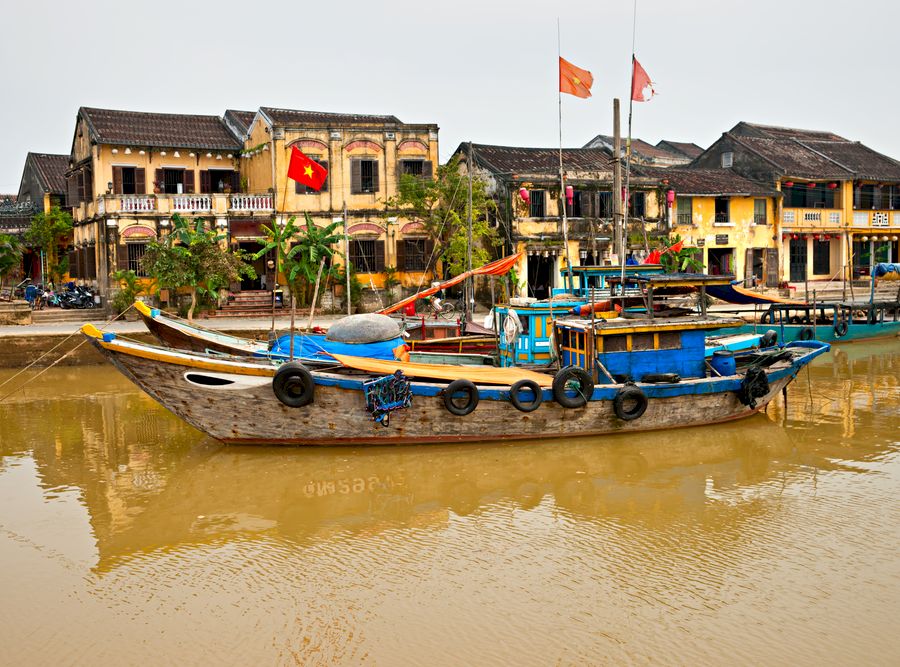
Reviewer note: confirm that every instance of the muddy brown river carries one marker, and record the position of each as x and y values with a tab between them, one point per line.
128	538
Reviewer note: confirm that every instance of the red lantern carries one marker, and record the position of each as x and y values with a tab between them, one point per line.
832	186
570	194
789	184
670	197
794	237
810	185
523	193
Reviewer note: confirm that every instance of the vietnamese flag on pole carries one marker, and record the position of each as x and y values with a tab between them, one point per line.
641	85
574	80
305	170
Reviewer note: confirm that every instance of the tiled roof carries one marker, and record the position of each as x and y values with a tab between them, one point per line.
11	198
51	170
639	148
136	128
861	160
239	120
773	132
513	159
709	182
687	149
794	158
296	117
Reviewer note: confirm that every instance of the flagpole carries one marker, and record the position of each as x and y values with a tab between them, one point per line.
562	185
628	147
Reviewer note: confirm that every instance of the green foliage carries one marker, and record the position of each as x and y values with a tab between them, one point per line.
129	288
10	256
190	256
683	261
47	231
442	206
299	252
356	287
390	277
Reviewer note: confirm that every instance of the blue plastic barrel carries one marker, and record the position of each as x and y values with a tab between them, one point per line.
723	362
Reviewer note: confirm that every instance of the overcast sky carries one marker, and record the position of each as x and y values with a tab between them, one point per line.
484	71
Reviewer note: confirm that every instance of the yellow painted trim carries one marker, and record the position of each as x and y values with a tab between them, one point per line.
656	341
628	341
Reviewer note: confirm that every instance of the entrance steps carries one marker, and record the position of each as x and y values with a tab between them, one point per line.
248	303
52	315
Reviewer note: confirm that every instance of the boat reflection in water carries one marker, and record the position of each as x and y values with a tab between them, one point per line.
554	547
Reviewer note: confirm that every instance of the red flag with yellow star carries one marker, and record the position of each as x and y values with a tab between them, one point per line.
574	80
305	170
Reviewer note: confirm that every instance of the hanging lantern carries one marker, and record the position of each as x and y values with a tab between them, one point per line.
832	186
863	238
794	237
523	193
810	185
789	184
885	238
670	197
784	237
570	194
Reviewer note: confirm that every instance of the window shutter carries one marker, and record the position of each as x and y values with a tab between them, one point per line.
587	203
71	191
401	255
379	257
140	181
188	181
355	176
117	180
427	169
80	181
236	181
375	177
429	251
121	256
205	186
324	164
159	181
88	185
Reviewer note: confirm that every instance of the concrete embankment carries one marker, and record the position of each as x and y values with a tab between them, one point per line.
22	345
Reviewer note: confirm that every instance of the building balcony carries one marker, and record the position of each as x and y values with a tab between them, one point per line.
168	204
251	203
820	218
876	219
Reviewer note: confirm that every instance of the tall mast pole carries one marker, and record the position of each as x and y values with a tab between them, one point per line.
470	284
618	225
628	142
347	258
562	185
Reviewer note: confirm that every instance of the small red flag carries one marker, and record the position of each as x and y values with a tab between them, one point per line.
305	170
641	85
574	80
675	247
652	258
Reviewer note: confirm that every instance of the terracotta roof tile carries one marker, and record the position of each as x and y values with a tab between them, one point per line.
51	170
297	117
862	160
513	159
709	182
795	158
687	149
137	128
240	120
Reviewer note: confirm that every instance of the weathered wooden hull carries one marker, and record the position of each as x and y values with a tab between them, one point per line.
195	341
248	411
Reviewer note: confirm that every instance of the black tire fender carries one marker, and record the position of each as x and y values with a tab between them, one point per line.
515	395
465	387
806	333
566	376
840	329
625	395
769	339
293	385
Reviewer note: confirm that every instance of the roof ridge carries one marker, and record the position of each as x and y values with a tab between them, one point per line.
153	113
821	154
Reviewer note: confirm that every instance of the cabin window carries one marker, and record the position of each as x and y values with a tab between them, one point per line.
669	340
367	255
301	189
135	255
822	257
642	341
684	207
538	206
727	160
363	176
615	343
759	211
722	210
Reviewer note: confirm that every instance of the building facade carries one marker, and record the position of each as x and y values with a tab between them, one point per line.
840	207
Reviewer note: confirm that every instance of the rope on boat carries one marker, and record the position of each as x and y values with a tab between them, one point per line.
23	385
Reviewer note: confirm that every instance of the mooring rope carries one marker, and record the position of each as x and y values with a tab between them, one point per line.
22	386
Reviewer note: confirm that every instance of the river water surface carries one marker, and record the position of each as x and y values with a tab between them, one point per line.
127	537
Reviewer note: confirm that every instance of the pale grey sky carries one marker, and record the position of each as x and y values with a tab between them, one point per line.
483	70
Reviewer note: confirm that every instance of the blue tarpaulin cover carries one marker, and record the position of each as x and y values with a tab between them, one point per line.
314	346
884	270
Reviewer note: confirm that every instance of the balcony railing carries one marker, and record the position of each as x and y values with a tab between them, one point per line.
685	219
190	203
722	217
877	219
241	202
811	217
759	218
137	203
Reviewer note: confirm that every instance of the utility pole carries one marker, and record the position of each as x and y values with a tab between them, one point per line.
617	186
347	258
470	281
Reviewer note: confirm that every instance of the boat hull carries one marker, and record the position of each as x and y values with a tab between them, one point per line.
246	411
792	332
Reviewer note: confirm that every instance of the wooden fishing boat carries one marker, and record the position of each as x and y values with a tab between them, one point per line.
618	377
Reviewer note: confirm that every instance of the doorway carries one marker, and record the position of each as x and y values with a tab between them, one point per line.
264	276
721	261
797	258
540	274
